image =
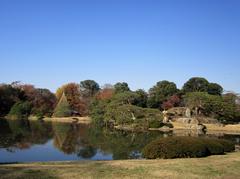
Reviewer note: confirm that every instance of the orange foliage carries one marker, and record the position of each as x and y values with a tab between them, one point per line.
72	92
104	94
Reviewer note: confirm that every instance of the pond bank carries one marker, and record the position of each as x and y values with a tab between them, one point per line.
181	127
211	128
85	120
82	120
220	166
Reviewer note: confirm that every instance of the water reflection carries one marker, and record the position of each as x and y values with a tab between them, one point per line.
22	134
46	141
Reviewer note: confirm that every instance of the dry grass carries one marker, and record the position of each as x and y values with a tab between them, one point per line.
232	128
225	166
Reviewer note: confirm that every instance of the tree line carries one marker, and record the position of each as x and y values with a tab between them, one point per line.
118	102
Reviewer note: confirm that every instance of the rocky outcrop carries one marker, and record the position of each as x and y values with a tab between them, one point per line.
176	112
183	114
207	120
187	120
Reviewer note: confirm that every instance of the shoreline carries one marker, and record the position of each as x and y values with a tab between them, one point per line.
82	120
178	127
181	127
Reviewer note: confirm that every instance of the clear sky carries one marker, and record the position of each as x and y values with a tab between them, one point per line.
52	42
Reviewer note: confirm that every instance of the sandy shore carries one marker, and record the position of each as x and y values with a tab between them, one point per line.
85	120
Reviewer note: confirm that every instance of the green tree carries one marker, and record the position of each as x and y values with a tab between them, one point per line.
202	102
73	95
98	110
215	89
196	84
63	108
161	92
142	98
89	88
9	95
20	110
127	97
121	87
223	108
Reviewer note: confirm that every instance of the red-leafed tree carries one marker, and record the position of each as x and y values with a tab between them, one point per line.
105	94
172	101
42	100
73	95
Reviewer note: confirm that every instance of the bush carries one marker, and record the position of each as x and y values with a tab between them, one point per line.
213	146
63	108
212	105
155	124
184	147
20	110
227	145
159	124
97	110
129	114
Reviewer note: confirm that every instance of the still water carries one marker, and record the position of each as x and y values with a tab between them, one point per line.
28	141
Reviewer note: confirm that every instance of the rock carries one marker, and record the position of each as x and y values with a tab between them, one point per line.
237	148
201	127
198	127
188	113
165	128
207	120
183	120
194	121
165	117
176	112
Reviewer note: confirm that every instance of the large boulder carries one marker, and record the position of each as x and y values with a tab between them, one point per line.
207	120
177	112
187	120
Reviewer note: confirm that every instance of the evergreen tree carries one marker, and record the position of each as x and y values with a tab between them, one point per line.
63	108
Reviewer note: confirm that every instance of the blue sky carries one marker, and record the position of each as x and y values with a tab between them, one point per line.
52	42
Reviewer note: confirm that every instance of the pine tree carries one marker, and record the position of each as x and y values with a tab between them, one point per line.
63	108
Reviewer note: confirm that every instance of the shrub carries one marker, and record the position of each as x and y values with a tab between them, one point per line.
97	110
213	146
129	114
20	110
227	145
184	147
155	124
63	108
159	124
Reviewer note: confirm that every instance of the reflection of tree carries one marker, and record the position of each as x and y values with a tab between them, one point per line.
22	134
5	134
87	152
122	144
60	134
70	138
79	139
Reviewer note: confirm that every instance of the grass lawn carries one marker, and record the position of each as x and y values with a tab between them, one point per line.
225	166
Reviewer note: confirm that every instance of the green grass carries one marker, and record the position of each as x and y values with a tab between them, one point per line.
219	166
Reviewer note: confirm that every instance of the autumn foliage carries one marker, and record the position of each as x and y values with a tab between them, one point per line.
73	95
172	101
105	94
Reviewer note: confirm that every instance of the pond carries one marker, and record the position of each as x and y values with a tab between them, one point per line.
29	141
